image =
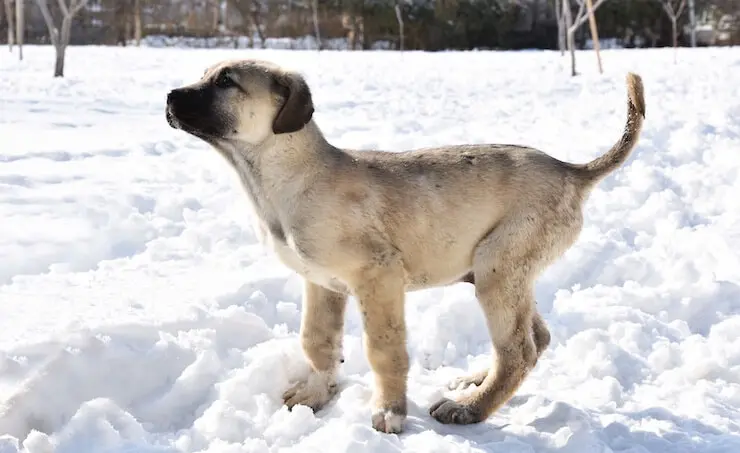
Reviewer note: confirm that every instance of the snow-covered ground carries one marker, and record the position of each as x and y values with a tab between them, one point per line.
138	314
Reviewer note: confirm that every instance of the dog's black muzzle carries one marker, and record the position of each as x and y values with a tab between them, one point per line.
189	109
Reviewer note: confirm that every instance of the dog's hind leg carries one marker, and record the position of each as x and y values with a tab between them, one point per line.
476	378
321	338
506	264
541	336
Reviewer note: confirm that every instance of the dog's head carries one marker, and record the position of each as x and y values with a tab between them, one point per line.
243	100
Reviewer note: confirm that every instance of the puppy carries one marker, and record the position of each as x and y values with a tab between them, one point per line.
375	225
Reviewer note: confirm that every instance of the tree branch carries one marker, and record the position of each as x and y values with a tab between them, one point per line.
63	7
78	6
680	8
672	12
53	32
581	17
581	9
668	9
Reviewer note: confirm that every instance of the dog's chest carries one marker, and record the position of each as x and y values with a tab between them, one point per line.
272	231
305	267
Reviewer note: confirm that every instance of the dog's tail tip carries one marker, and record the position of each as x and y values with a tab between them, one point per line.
598	168
636	92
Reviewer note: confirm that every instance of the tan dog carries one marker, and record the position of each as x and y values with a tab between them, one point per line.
377	224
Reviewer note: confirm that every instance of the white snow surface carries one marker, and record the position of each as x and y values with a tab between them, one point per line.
139	314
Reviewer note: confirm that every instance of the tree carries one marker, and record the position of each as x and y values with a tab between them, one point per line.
11	31
19	23
315	8
560	18
252	10
399	18
137	22
126	21
594	32
573	24
353	21
215	14
60	40
674	9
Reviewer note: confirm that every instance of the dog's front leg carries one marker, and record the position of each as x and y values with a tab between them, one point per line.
381	301
321	338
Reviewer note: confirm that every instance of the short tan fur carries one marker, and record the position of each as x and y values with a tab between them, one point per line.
376	225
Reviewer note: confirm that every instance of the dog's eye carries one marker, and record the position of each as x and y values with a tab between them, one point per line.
224	81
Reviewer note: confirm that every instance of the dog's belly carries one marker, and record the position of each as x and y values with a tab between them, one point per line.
308	270
436	273
439	262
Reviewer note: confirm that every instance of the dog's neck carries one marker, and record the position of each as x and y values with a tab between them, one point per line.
283	158
305	144
274	172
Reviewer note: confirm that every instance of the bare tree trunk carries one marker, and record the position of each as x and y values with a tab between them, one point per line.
59	61
11	28
675	37
250	12
128	23
399	18
350	24
692	22
573	24
19	26
352	21
594	33
257	23
215	9
137	22
673	13
62	46
60	41
561	25
256	15
119	21
315	7
561	37
570	31
360	15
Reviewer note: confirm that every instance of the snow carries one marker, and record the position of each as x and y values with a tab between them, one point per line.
138	313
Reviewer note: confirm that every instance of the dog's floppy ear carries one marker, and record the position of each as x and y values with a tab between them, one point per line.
297	108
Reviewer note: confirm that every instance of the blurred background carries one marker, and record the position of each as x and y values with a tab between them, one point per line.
382	24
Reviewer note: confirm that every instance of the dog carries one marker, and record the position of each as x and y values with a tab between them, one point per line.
375	225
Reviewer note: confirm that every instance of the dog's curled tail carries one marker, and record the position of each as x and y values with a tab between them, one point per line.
594	171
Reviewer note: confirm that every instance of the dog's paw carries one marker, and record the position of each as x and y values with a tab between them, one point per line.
314	392
388	421
463	382
388	415
448	411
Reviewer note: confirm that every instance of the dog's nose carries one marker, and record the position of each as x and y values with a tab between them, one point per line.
177	95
